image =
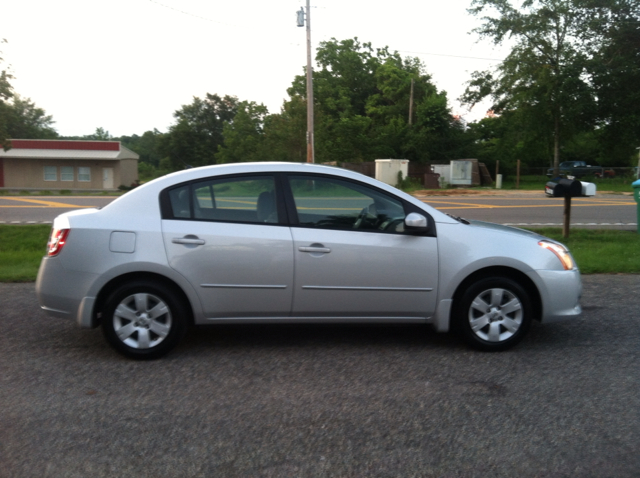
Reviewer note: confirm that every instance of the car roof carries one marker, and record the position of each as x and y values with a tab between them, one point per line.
154	187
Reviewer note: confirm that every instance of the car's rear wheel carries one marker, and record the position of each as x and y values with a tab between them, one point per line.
143	320
493	314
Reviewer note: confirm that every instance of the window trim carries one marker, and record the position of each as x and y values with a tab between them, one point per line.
55	169
89	174
285	203
72	173
407	206
166	210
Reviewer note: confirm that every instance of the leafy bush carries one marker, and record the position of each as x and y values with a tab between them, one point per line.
408	184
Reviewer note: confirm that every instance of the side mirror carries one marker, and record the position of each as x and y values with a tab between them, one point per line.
416	221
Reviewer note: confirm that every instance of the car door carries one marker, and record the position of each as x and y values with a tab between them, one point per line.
353	257
227	236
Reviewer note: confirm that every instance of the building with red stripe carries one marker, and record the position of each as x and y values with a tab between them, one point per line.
64	164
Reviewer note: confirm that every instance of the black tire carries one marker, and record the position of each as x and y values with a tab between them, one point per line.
144	320
493	314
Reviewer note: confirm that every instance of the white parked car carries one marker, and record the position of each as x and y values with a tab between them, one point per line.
280	242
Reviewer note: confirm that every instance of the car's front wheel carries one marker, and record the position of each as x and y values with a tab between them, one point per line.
143	320
493	314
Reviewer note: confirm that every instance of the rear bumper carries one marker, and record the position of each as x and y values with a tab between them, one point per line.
64	293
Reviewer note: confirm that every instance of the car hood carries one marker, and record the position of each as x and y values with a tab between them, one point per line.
507	229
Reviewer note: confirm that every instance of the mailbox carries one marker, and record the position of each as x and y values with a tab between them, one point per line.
567	189
588	189
564	188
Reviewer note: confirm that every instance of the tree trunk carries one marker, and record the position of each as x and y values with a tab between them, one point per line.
556	145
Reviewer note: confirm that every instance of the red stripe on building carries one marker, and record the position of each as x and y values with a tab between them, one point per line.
75	145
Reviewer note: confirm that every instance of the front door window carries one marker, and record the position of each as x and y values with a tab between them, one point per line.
329	203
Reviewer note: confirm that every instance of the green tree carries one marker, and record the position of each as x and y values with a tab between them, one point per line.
147	146
244	135
362	103
543	77
198	131
100	134
25	120
342	83
6	92
344	79
612	40
507	138
284	133
20	117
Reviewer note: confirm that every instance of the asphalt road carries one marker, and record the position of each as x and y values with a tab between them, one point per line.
325	401
527	208
533	208
43	209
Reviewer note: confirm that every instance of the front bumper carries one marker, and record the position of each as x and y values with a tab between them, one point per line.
560	292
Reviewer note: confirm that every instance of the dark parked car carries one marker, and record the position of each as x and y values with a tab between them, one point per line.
579	169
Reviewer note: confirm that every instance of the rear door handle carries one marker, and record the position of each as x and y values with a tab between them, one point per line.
190	240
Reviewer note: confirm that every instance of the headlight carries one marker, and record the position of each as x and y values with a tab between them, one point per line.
561	252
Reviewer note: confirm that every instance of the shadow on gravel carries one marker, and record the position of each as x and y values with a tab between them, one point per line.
265	336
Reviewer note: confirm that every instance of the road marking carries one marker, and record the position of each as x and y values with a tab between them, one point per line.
459	205
557	224
40	203
572	224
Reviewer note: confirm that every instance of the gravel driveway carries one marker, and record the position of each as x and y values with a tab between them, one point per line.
334	401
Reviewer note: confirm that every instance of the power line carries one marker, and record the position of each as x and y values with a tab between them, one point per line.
193	15
450	56
399	51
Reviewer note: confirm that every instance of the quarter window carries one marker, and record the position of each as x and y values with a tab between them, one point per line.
180	205
50	173
330	203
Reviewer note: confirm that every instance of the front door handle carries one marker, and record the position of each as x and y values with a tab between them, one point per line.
317	248
190	240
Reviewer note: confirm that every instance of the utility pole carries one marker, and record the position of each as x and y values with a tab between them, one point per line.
310	136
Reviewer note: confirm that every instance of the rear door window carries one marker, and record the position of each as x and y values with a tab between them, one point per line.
230	199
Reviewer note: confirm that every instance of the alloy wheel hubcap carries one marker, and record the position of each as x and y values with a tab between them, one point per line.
495	315
142	320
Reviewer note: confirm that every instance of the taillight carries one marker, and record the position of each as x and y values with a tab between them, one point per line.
57	241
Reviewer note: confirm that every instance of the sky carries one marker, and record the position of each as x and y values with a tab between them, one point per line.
128	65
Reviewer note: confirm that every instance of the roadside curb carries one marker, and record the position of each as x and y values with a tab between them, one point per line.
26	222
428	193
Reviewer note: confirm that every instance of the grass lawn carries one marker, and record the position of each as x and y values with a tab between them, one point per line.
21	249
595	251
528	183
600	251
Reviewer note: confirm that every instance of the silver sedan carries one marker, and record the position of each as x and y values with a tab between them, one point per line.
279	242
